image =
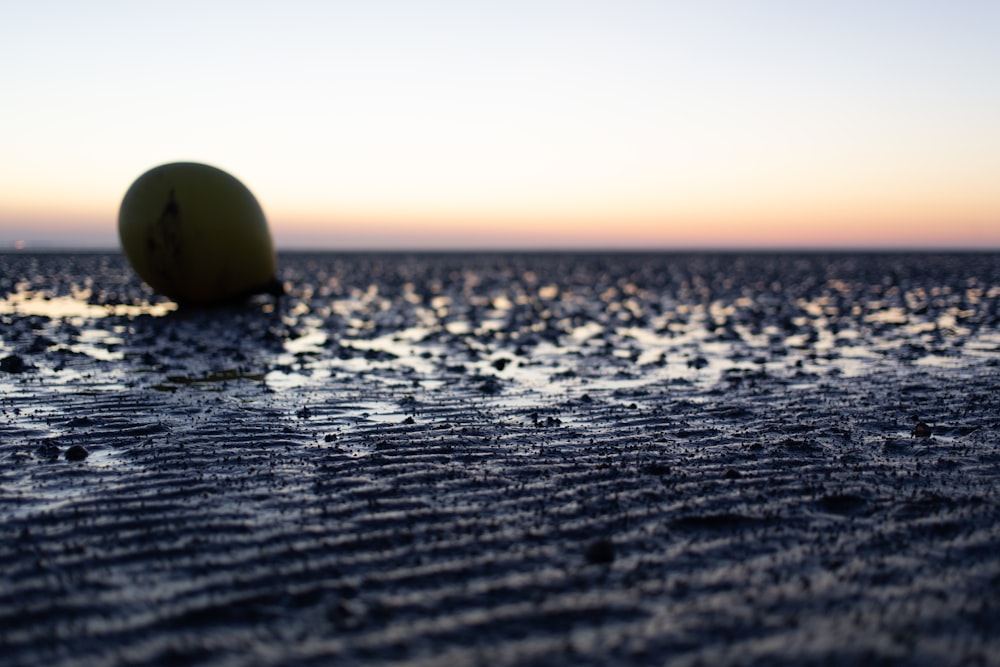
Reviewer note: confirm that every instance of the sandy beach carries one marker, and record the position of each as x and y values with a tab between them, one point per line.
505	459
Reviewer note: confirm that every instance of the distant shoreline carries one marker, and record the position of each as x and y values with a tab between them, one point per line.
960	250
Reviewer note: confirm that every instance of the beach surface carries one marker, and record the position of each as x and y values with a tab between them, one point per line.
505	459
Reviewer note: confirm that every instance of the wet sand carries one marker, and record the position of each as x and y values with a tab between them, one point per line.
505	459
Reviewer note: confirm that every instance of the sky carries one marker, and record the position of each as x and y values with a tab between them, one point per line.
536	124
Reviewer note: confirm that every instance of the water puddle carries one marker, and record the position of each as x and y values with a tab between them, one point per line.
76	307
174	382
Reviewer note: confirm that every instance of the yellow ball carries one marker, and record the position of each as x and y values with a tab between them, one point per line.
196	234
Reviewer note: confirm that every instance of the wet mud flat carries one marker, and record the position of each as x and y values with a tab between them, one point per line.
505	459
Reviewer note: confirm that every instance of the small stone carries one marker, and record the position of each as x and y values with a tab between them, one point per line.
698	362
12	364
600	551
77	453
490	385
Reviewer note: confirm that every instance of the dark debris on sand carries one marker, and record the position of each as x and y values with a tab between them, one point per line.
505	459
13	364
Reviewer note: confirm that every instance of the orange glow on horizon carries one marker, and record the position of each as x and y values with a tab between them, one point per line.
663	232
925	221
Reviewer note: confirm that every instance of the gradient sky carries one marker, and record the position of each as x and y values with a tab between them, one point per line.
534	124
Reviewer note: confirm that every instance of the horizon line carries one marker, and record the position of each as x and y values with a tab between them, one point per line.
29	247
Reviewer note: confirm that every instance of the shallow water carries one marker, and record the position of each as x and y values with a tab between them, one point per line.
409	459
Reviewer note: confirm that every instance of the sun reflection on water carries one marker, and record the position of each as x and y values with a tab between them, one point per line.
76	306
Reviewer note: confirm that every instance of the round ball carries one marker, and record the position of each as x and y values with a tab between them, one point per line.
196	234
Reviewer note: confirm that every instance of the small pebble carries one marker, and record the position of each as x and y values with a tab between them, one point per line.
12	364
600	551
77	453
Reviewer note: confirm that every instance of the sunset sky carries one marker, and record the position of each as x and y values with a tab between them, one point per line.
515	124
